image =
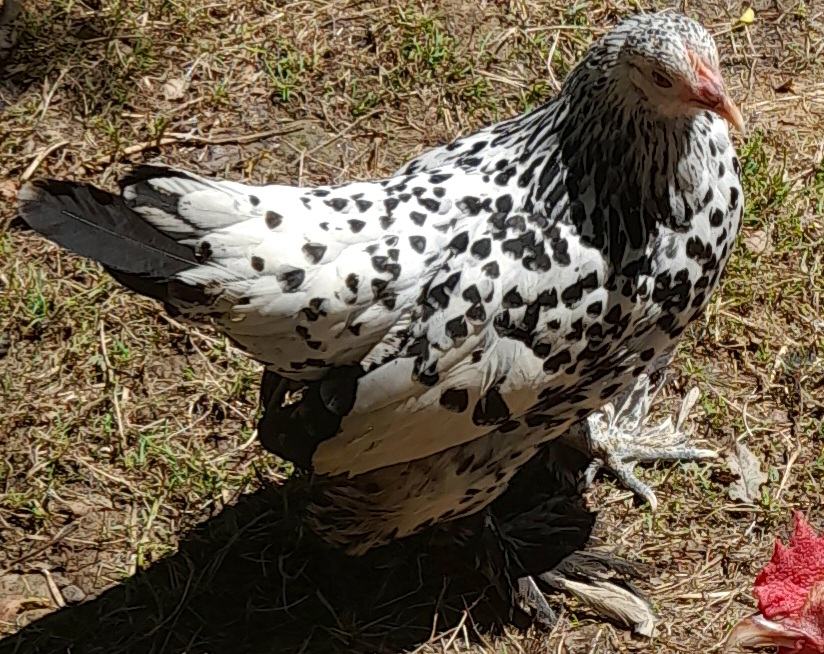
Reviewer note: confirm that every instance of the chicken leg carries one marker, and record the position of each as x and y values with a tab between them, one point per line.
618	436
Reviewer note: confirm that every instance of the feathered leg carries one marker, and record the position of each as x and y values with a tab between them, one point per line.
618	436
545	529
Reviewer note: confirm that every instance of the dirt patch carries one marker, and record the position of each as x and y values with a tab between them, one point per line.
122	430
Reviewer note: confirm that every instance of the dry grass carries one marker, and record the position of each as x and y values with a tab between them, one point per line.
122	430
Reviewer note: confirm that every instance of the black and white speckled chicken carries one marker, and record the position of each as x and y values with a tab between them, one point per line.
426	334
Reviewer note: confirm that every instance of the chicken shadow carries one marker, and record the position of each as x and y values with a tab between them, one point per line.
254	579
54	45
37	50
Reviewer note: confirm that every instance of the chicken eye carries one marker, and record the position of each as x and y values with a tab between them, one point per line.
661	80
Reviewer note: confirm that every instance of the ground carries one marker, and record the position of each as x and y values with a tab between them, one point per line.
122	430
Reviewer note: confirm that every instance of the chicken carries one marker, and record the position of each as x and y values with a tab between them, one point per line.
442	325
426	335
790	594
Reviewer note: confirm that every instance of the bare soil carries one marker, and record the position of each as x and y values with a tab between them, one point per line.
137	512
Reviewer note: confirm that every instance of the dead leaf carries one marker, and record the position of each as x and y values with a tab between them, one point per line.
175	89
748	16
11	607
757	242
8	190
85	506
28	617
218	157
779	417
743	463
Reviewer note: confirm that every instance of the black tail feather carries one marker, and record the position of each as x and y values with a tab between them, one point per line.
98	225
146	172
153	288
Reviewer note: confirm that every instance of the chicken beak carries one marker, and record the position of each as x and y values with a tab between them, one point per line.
757	631
711	93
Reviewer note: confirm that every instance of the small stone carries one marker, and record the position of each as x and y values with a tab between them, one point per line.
72	594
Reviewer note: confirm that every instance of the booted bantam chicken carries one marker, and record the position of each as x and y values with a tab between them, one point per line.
426	335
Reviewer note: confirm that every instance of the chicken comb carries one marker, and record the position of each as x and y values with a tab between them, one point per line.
783	586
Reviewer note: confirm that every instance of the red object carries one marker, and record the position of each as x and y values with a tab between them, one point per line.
790	593
784	586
